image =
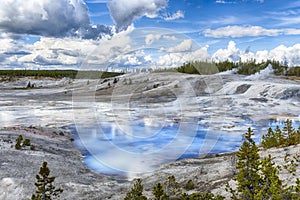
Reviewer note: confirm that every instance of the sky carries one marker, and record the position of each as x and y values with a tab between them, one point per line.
118	34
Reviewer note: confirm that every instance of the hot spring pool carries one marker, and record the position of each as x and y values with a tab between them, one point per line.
141	146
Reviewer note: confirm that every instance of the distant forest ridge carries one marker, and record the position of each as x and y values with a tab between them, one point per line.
59	73
245	68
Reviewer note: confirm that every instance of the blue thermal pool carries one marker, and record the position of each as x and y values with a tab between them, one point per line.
139	146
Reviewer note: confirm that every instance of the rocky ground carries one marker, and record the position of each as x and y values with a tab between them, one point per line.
19	167
42	115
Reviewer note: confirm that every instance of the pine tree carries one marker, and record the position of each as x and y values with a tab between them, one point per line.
159	193
29	85
294	137
297	189
259	179
293	191
18	144
172	187
248	178
279	137
44	183
288	132
136	192
26	142
297	133
272	187
269	140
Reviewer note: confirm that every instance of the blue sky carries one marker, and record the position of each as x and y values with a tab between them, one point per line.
202	15
60	34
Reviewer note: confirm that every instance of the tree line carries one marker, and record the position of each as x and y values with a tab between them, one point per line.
59	74
245	68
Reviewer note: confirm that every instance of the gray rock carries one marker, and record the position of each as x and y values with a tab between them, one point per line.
242	88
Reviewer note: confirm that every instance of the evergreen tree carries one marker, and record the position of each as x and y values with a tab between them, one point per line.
44	183
297	133
18	144
136	193
204	196
172	187
159	193
269	140
279	137
26	142
272	187
259	179
297	189
288	132
248	178
29	85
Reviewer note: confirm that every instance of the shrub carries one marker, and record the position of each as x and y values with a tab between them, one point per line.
26	142
170	189
20	144
189	185
32	147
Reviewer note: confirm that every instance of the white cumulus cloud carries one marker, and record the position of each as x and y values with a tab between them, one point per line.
138	58
169	37
124	12
57	51
185	45
282	53
246	31
43	17
291	55
10	50
177	15
232	53
150	38
240	31
75	52
177	59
